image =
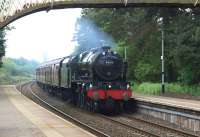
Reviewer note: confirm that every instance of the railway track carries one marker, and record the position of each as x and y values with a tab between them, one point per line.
139	131
117	120
66	116
170	132
163	127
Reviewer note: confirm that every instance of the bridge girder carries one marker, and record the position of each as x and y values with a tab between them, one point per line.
11	10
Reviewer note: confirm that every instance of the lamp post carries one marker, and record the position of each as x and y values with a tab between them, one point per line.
162	61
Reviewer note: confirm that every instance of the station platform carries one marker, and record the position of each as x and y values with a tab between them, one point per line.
21	117
170	101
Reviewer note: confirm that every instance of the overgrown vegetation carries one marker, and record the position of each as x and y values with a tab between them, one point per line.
2	45
139	29
14	71
154	88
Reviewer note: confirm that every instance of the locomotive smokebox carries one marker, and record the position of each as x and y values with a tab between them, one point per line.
108	65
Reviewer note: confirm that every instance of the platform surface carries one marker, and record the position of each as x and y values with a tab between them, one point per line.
169	101
21	117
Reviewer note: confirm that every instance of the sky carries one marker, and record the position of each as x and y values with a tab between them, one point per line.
43	36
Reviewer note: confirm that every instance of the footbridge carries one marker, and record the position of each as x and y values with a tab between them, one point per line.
11	10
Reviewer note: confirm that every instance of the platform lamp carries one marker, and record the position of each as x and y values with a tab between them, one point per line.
163	68
160	21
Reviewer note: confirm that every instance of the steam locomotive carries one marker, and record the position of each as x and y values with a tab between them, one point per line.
95	79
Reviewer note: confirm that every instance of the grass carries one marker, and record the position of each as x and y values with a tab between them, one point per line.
155	88
13	80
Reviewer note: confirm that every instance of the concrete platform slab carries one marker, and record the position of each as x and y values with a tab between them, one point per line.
21	117
169	101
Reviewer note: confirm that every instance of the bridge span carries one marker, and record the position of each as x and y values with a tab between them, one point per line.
11	10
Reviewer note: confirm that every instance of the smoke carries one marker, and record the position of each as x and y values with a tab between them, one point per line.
88	35
45	56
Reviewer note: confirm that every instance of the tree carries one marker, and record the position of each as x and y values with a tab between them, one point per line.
139	30
130	27
2	45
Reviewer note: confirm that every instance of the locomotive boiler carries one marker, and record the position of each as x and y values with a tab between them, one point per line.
94	79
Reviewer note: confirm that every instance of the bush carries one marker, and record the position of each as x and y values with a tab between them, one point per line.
155	88
16	71
186	76
145	72
147	88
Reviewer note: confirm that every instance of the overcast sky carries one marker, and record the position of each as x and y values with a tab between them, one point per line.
43	36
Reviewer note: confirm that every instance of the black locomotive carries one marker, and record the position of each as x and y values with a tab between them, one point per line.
95	79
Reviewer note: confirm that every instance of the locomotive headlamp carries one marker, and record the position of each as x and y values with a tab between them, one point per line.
104	53
90	85
128	86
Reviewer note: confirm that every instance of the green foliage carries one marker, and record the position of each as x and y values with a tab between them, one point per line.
147	88
139	29
186	76
155	88
144	71
14	71
131	28
2	45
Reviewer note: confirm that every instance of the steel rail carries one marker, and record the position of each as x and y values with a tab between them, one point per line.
178	131
138	130
64	115
99	133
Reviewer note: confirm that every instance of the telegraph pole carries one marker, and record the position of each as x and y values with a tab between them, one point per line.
162	60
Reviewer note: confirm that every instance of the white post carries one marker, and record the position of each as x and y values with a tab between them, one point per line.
162	59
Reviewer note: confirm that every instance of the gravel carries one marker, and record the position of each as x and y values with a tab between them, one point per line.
84	116
97	122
